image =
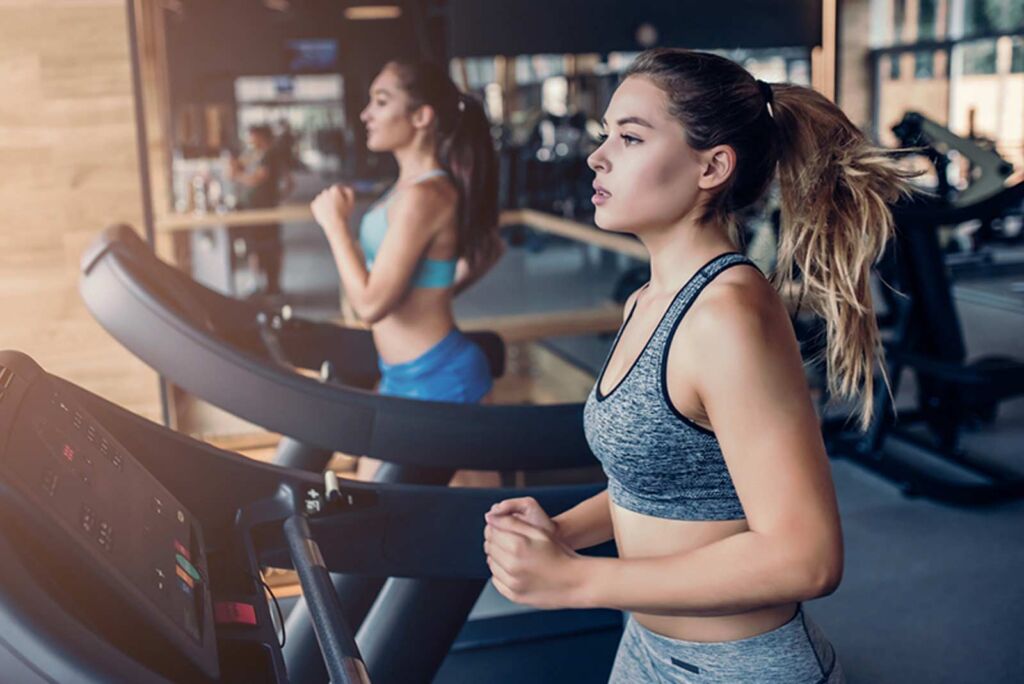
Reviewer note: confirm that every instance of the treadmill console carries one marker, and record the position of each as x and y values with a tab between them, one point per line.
104	513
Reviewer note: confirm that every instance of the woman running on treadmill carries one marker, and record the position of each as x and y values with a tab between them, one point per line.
719	496
428	238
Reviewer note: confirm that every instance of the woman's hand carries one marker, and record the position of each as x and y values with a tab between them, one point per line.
529	562
526	509
332	207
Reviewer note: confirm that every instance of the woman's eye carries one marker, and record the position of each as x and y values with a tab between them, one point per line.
627	139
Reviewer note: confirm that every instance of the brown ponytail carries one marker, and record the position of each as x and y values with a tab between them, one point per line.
465	149
469	155
835	187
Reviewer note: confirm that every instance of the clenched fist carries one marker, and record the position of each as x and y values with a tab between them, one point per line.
332	207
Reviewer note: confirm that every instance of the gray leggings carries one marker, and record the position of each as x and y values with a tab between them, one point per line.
796	652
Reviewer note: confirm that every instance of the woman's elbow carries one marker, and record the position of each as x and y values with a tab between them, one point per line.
825	580
370	315
371	311
824	572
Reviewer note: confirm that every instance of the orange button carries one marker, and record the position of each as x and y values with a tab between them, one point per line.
183	576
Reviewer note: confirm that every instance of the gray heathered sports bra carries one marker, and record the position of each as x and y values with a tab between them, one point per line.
658	461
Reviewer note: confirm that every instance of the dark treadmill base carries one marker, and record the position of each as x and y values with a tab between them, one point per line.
542	647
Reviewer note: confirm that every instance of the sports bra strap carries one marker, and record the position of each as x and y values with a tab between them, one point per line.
433	173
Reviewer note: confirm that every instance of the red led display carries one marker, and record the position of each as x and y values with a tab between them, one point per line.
69	453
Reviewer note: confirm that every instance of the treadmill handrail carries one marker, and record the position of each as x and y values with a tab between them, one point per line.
329	416
916	129
337	644
939	213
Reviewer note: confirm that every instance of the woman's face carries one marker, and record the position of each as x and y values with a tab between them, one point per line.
647	174
387	116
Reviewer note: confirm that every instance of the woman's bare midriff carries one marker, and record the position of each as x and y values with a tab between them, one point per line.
422	320
424	316
644	536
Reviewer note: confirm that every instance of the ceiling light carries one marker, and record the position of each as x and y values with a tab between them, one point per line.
366	12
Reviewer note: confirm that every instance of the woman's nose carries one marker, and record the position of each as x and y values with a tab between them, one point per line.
597	161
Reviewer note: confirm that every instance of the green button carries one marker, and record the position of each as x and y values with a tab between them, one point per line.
187	567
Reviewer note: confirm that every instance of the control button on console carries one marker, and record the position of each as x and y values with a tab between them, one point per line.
87	518
49	482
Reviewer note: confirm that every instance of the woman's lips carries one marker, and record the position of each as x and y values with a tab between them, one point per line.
600	195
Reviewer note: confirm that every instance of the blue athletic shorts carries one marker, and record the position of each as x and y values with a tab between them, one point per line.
453	370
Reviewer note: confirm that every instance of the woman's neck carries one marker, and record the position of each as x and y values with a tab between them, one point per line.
414	161
679	250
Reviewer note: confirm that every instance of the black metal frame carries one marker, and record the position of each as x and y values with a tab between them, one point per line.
242	359
926	339
213	347
250	514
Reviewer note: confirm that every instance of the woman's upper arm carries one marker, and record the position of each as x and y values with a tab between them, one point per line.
743	359
414	220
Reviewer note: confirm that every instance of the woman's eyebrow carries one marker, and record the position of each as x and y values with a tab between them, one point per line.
379	91
628	120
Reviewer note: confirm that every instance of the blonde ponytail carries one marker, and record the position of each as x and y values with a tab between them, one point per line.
836	190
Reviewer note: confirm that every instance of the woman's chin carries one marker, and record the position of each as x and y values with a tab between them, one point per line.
605	221
377	144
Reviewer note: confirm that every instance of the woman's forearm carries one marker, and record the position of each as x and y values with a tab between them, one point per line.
737	574
587	524
350	265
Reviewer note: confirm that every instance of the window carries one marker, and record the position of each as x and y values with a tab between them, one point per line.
992	16
899	17
1017	56
926	15
479	72
924	64
894	66
979	57
535	68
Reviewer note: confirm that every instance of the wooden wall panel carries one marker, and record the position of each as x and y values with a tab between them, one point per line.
854	85
67	151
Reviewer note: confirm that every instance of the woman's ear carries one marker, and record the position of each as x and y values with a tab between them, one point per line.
423	116
717	165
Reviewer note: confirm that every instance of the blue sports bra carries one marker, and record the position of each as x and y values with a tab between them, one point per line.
431	272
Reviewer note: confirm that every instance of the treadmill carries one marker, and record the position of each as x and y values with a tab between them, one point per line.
244	359
919	450
990	175
132	553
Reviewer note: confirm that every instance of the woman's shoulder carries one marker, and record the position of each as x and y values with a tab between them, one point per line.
739	304
429	198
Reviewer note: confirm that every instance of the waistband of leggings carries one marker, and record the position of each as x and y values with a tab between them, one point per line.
792	631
